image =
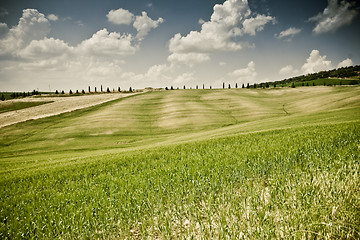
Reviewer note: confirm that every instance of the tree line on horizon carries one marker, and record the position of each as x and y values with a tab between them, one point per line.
303	80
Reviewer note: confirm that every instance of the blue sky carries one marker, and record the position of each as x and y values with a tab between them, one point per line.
64	45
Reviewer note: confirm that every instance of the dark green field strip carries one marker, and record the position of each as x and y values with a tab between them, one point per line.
9	106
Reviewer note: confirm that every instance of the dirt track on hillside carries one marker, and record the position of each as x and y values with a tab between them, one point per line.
57	106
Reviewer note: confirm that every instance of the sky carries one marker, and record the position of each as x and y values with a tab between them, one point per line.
62	45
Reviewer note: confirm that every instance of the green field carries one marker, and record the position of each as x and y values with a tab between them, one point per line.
9	106
203	164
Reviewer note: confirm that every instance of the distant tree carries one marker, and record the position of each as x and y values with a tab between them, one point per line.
255	86
119	90
243	86
77	91
324	83
130	89
267	85
236	86
302	84
166	88
70	92
108	90
340	83
62	92
203	86
292	85
56	92
101	89
210	87
83	91
274	85
313	83
184	87
197	87
95	89
248	85
307	84
223	85
172	88
89	89
2	97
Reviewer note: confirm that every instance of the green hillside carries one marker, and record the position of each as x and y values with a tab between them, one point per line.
227	163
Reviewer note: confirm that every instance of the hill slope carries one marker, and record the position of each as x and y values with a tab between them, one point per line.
234	163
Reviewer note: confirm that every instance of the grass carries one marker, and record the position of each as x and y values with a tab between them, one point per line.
188	164
13	106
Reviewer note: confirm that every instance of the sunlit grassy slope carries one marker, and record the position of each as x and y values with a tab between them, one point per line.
264	163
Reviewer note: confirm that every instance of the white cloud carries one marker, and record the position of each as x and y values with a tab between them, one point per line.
222	63
143	24
288	71
229	20
188	58
32	26
288	34
253	25
103	43
3	30
45	48
247	74
184	78
334	16
120	16
53	17
316	63
346	63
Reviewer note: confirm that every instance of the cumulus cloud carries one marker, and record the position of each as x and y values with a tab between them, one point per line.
3	30
53	17
288	34
247	74
45	48
316	63
103	43
334	16
143	24
188	58
32	26
120	16
253	25
346	63
288	71
184	78
228	20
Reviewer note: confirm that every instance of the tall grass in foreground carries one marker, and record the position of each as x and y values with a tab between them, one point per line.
298	183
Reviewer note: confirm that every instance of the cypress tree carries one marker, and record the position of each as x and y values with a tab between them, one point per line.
248	85
243	85
223	85
83	91
108	90
89	90
101	88
119	90
2	97
236	86
292	85
184	87
229	86
70	92
130	89
56	92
